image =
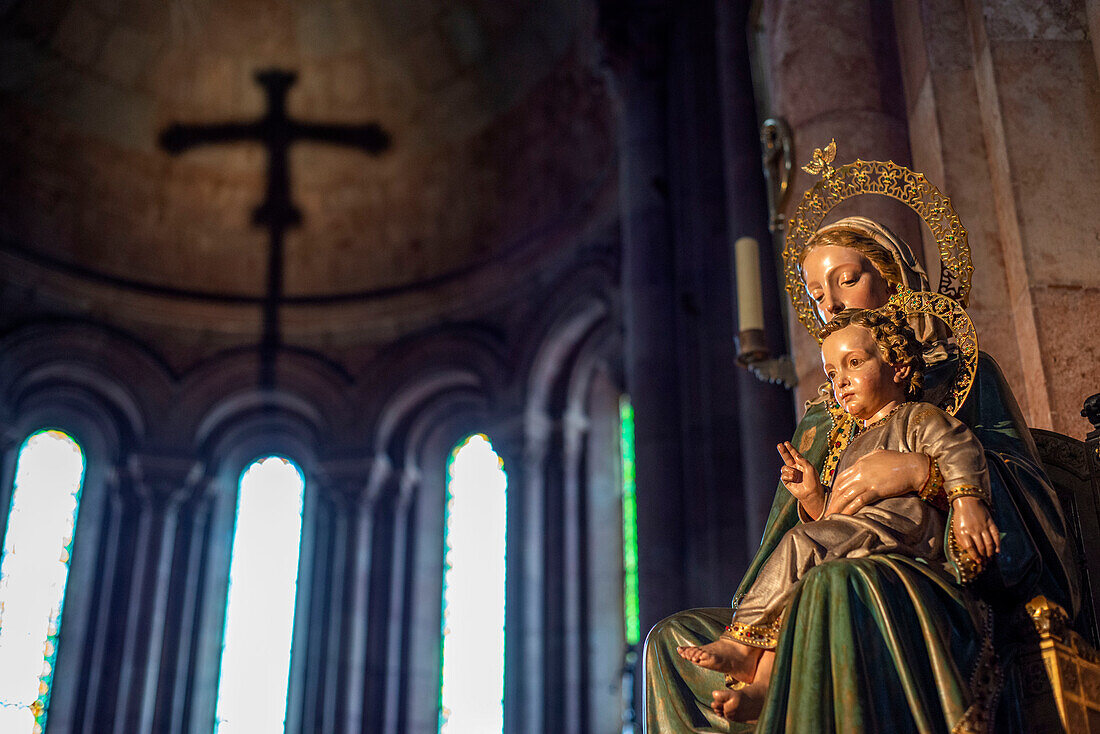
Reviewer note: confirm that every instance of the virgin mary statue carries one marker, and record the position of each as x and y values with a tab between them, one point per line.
883	643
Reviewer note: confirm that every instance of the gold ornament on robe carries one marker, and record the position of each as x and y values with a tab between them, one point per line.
884	178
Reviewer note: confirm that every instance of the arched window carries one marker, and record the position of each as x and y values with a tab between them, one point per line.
472	689
631	606
631	613
263	585
34	569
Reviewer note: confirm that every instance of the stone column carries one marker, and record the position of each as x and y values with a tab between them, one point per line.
637	43
358	482
1039	98
836	75
200	507
946	135
323	702
575	694
101	656
532	641
10	443
396	655
159	484
765	410
522	445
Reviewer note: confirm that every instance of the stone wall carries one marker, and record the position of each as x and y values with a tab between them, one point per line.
1004	109
998	103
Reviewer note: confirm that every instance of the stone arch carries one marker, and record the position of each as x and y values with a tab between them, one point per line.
430	435
116	373
94	423
216	393
436	388
547	360
582	299
231	446
465	354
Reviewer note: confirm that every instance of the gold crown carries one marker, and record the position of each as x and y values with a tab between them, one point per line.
884	178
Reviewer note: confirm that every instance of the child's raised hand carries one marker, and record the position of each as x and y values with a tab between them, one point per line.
975	531
800	478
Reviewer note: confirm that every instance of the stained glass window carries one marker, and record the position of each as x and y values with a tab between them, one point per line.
631	611
630	525
34	569
263	585
472	690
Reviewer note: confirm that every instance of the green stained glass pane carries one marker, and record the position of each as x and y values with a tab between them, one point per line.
630	525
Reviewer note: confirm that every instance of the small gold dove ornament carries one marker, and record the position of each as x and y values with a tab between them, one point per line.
819	166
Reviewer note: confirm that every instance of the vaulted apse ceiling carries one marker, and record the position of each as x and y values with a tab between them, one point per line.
501	130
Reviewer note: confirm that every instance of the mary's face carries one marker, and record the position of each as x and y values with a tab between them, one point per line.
840	277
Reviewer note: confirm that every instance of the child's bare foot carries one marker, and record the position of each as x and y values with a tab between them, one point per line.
747	703
743	705
725	656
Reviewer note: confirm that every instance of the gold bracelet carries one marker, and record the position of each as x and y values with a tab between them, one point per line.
932	491
969	490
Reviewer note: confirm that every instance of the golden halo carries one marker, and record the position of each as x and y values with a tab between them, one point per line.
947	310
885	178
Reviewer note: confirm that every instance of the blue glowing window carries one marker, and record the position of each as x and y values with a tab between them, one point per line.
472	689
263	585
34	569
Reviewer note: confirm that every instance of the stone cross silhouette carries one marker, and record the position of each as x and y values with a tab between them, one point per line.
277	213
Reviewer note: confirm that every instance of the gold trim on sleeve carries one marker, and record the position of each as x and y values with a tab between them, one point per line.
932	491
763	636
969	490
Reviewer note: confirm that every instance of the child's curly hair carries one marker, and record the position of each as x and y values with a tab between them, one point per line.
895	338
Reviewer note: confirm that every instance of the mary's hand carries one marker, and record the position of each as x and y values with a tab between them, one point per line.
875	476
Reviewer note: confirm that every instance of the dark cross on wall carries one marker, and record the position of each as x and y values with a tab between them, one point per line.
277	213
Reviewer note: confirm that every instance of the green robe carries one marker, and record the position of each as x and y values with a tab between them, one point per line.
883	643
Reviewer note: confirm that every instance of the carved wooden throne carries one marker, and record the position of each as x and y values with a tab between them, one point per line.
1066	659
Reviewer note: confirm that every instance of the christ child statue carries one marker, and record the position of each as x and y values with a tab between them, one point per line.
874	364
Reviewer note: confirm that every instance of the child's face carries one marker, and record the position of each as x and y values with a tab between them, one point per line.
863	381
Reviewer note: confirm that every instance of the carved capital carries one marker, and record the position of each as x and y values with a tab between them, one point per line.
349	479
165	480
9	438
410	482
538	428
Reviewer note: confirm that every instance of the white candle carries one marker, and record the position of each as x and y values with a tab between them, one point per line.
750	301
